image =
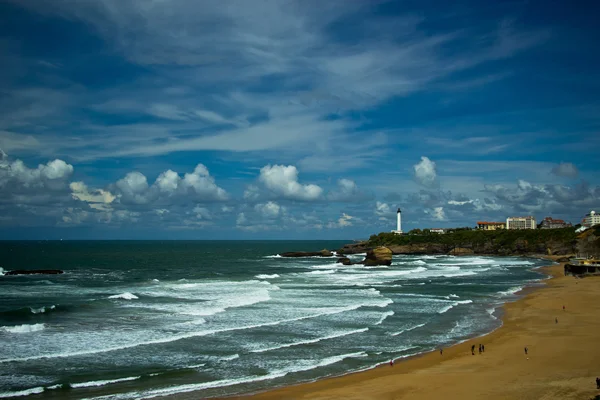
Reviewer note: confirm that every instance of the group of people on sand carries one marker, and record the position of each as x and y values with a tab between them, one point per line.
481	349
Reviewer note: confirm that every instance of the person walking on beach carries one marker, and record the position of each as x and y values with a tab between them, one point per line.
391	362
525	350
480	349
441	352
483	348
597	383
563	307
473	350
556	320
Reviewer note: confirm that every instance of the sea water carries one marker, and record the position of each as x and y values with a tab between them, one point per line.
132	320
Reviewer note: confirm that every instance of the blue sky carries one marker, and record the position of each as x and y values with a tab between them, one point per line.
184	119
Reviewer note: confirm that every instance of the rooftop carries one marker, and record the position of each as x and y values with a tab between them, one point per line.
489	223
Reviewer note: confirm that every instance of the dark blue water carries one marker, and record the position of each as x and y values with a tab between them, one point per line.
144	319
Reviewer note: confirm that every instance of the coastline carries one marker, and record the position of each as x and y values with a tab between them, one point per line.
561	363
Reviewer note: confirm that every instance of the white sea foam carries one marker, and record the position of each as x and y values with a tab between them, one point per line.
407	329
20	393
1	271
229	358
274	256
452	296
124	296
322	272
42	309
155	280
104	382
510	292
267	276
298	367
23	328
384	317
454	304
188	335
310	341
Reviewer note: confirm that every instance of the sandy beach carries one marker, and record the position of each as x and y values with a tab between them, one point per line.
563	357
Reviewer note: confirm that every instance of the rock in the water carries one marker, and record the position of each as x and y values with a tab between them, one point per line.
344	261
34	271
460	251
378	256
322	253
354	248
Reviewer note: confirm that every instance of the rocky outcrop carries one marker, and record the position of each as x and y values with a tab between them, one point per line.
34	272
378	256
420	248
354	248
344	261
322	253
461	251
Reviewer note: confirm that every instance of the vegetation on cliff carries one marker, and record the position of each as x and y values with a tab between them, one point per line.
539	241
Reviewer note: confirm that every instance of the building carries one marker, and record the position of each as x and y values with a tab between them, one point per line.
398	230
520	222
591	219
440	231
551	223
490	226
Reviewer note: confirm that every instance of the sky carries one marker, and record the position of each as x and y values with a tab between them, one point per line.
282	119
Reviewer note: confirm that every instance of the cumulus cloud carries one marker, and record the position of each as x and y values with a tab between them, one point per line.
169	187
425	172
566	170
382	209
97	198
282	180
268	210
347	191
343	222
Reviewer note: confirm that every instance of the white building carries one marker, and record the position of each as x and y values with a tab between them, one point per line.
398	230
440	231
520	222
591	219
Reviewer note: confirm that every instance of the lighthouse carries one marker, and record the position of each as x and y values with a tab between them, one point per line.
398	230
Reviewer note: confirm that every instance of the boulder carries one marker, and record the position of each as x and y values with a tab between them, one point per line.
344	261
378	256
34	271
322	253
461	251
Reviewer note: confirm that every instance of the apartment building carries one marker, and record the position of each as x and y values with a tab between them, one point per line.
520	222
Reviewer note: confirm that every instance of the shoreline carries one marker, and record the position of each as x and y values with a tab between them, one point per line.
552	374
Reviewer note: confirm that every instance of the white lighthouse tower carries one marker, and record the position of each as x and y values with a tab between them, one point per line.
398	230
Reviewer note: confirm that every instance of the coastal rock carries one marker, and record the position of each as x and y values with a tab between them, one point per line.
34	271
420	248
322	253
354	248
460	251
378	256
344	261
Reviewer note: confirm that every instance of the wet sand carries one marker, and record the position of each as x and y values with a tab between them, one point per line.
563	360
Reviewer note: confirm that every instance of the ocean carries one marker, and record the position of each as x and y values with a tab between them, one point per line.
143	319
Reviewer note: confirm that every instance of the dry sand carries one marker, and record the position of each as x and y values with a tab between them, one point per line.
563	360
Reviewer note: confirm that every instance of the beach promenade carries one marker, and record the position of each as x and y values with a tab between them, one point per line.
563	357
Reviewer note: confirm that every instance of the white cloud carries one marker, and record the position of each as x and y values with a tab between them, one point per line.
169	187
566	170
98	199
268	210
382	209
283	181
425	172
343	222
347	191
